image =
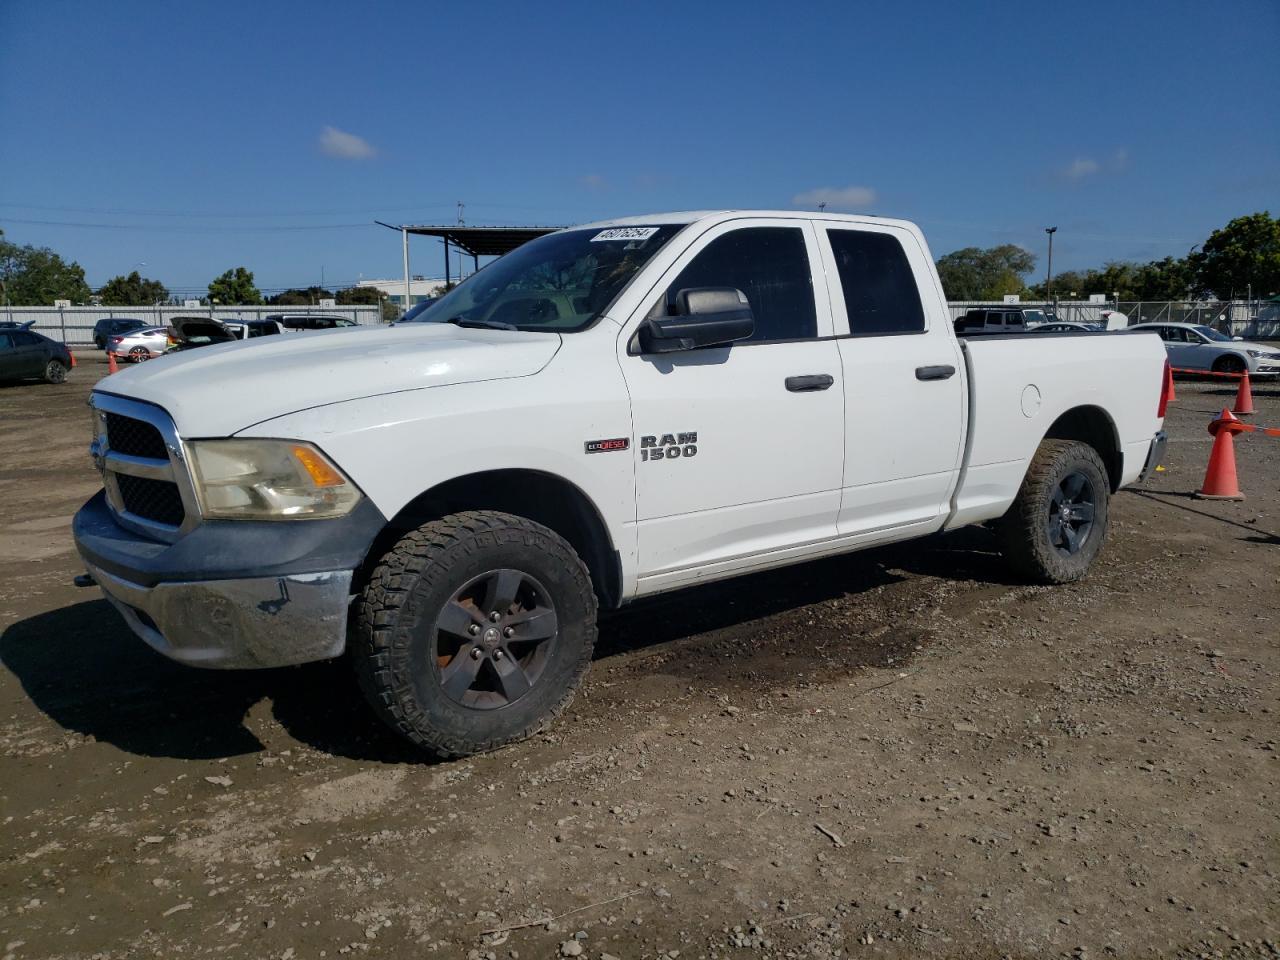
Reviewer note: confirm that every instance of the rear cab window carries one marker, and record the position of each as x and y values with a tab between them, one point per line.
881	296
874	277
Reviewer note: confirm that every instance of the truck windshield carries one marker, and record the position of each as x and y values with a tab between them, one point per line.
561	282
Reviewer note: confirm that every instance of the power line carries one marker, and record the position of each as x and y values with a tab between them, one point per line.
189	228
256	213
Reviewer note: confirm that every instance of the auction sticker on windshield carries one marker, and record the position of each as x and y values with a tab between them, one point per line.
625	233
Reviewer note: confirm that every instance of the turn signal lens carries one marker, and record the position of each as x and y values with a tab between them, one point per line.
323	473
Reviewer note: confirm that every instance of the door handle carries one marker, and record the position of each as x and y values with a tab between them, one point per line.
810	383
942	371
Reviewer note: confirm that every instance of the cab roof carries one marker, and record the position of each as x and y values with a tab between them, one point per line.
696	216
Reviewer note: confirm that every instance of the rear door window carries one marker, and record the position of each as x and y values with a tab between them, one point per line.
881	297
768	264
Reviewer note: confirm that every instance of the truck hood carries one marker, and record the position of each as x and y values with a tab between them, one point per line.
223	388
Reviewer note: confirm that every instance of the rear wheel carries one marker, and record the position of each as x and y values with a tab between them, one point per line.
1058	523
138	354
55	371
1229	363
474	631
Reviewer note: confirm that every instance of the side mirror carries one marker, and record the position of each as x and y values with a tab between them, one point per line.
704	317
1238	338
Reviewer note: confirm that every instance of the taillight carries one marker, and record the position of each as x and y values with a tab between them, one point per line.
1166	388
114	339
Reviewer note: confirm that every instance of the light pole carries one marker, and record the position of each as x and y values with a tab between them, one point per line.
1048	276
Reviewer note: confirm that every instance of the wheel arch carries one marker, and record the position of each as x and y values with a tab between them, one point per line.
1093	426
1232	354
544	498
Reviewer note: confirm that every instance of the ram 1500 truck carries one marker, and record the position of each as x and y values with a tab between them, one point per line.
608	412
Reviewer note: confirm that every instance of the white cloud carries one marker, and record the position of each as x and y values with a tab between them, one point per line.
836	198
1081	167
593	181
339	143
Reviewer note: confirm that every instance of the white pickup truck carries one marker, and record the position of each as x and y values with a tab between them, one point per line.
608	412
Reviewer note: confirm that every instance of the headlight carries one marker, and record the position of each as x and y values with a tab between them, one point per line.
1257	353
268	480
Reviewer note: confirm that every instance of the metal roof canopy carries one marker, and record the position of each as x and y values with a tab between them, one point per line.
477	241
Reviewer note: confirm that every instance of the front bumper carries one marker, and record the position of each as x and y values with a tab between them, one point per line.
232	593
237	624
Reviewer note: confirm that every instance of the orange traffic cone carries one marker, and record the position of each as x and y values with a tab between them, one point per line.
1170	393
111	363
1220	481
1244	396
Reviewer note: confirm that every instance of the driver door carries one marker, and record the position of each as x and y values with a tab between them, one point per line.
739	448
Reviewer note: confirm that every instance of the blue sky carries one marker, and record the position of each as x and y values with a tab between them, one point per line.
192	137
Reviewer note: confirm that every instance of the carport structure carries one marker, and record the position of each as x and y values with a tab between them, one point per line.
476	241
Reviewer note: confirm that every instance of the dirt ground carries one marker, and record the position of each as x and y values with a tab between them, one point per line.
899	753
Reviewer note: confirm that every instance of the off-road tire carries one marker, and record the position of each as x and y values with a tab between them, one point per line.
1024	530
394	631
55	371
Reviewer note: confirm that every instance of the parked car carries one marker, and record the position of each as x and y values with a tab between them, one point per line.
261	328
415	312
696	404
185	333
1011	319
108	326
296	322
138	345
1198	347
25	354
1068	326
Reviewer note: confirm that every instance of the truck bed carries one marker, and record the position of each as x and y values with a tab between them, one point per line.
1020	385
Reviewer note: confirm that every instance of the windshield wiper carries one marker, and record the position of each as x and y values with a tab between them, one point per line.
464	321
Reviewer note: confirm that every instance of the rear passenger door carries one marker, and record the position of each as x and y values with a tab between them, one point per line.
8	354
738	448
28	355
904	389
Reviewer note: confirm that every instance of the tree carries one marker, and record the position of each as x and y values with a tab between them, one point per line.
234	288
353	296
36	276
132	291
985	274
1242	255
297	297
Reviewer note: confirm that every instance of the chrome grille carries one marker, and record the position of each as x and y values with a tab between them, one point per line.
143	467
135	437
156	500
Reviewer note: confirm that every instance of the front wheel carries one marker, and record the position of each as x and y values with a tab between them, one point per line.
55	371
474	631
1058	523
1229	363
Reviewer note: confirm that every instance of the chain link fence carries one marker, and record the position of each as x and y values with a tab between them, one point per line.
1251	319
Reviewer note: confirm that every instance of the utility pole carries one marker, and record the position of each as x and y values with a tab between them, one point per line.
404	238
1048	276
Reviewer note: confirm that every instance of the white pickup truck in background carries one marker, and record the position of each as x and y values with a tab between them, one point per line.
608	412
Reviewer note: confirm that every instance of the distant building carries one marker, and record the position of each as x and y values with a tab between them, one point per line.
420	288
